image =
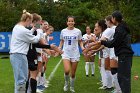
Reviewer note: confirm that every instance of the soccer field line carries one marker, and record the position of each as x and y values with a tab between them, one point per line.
54	70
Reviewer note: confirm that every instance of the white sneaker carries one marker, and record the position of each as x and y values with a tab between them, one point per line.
39	91
72	90
115	91
65	87
46	84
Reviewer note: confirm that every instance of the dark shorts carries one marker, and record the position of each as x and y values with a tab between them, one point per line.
32	65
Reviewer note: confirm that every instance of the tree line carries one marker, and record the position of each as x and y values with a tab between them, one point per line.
86	12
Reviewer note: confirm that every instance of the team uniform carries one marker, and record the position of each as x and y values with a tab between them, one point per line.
103	56
71	51
70	47
85	38
109	35
32	62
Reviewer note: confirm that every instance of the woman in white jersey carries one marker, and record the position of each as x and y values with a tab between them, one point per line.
70	37
113	58
100	30
89	60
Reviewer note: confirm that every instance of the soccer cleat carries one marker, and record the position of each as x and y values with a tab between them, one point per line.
39	91
115	91
92	75
46	84
41	87
72	90
86	75
66	86
103	87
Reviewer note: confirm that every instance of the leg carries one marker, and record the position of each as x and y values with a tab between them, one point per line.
66	64
108	72
103	74
20	71
124	73
92	65
33	82
73	71
86	65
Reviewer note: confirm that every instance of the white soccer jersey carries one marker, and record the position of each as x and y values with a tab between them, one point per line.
70	46
104	53
46	37
87	37
109	33
39	50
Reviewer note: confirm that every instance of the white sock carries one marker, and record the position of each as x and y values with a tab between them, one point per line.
92	67
109	78
104	77
116	83
72	82
87	67
66	77
103	72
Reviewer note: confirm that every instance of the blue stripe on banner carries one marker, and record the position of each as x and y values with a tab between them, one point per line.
6	36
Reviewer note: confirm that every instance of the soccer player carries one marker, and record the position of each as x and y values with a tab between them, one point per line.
32	55
88	38
122	46
112	56
70	37
101	30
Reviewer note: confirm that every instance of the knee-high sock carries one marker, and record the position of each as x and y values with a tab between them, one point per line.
66	77
92	67
116	83
104	76
72	82
33	84
87	67
103	72
109	78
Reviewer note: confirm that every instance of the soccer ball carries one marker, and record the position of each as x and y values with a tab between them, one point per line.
136	77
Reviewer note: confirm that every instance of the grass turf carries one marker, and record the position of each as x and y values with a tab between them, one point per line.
83	84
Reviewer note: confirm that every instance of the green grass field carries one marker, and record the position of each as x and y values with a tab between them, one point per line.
83	84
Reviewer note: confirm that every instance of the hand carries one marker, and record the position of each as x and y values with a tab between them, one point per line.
51	38
55	48
85	51
91	53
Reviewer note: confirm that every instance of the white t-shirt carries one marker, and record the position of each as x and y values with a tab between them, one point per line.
70	46
21	39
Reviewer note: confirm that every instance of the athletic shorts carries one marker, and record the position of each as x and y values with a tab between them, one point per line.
71	59
32	65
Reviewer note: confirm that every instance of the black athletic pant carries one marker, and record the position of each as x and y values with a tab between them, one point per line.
124	72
